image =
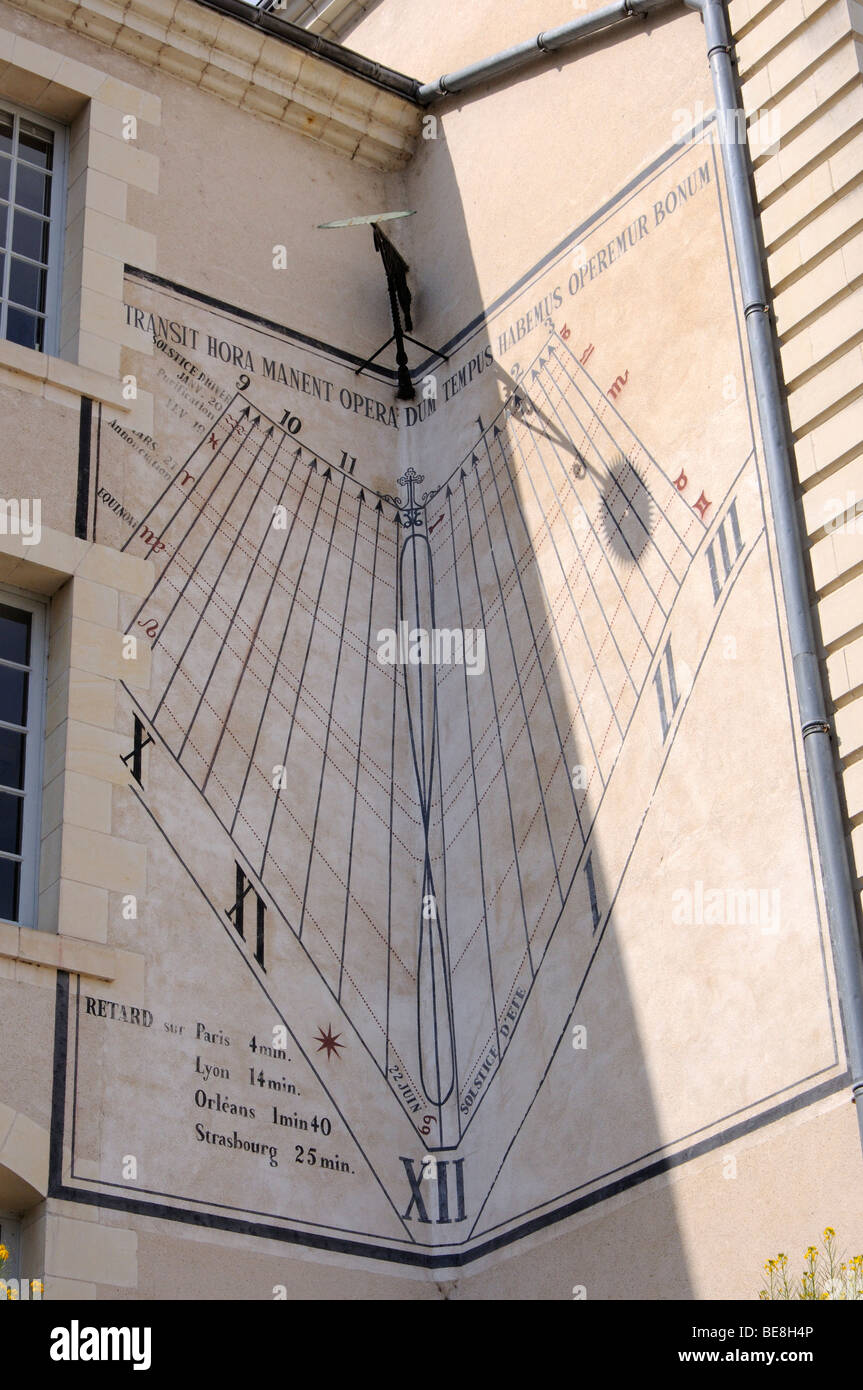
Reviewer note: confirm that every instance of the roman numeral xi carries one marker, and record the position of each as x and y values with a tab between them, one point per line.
237	913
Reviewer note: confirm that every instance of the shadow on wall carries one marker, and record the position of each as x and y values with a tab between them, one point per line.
540	542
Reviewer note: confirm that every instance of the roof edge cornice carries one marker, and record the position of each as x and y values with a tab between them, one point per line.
308	84
329	49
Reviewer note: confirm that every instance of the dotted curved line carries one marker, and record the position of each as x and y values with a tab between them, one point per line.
557	605
524	957
302	829
569	730
581	560
539	916
269	568
310	915
346	742
247	754
274	497
390	950
668	574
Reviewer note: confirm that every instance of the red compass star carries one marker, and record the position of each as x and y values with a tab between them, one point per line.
329	1042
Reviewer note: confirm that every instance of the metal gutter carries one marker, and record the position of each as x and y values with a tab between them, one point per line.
326	49
551	41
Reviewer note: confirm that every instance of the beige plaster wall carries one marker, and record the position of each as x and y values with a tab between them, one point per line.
772	1192
51	472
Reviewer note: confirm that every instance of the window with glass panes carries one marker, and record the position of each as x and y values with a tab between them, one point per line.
21	700
31	200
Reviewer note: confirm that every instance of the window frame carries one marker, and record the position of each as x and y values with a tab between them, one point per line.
56	218
31	826
10	1236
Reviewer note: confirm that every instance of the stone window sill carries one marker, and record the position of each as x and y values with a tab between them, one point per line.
61	952
55	378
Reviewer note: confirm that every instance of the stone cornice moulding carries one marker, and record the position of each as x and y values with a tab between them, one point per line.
75	954
251	70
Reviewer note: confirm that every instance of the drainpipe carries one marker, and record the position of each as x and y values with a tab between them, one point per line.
549	42
829	827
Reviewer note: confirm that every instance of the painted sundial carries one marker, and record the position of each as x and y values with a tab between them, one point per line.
450	930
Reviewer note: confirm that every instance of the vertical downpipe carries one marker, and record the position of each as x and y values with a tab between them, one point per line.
829	824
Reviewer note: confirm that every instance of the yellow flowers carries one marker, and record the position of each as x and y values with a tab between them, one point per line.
4	1254
11	1293
822	1278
